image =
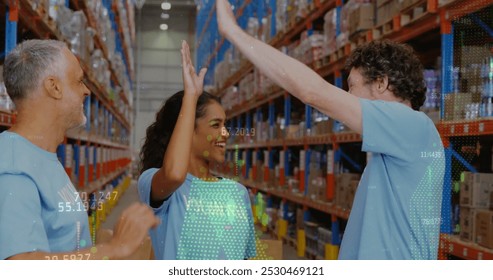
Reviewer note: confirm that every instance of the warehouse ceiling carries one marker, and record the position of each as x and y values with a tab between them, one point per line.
177	3
161	34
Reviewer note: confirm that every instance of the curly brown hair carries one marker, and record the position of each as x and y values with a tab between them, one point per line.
377	59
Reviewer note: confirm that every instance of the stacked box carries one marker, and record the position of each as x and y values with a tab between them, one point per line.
310	48
323	127
346	184
456	104
467	226
386	10
329	45
407	3
350	194
361	18
476	190
484	228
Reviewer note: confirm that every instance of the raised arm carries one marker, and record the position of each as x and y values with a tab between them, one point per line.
290	74
176	158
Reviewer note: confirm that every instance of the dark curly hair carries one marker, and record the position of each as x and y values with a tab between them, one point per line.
159	133
377	59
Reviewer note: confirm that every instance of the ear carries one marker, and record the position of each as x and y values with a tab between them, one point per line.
382	84
52	86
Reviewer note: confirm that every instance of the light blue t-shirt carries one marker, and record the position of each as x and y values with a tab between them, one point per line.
39	208
202	220
397	206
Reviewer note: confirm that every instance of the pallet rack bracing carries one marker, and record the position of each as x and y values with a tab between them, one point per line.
256	155
97	157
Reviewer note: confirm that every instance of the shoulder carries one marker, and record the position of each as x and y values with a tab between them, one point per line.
146	176
6	150
17	185
393	113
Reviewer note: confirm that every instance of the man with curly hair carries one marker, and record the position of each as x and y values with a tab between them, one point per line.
397	206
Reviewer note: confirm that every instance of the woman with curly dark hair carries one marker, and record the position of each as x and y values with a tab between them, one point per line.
397	206
202	216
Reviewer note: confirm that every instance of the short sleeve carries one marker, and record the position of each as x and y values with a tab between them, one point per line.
144	186
251	250
21	226
393	129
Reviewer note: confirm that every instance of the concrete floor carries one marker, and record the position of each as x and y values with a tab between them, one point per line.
131	195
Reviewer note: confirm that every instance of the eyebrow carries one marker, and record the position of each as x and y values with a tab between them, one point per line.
216	120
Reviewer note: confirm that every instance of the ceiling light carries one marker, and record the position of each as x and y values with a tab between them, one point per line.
163	26
165	16
166	6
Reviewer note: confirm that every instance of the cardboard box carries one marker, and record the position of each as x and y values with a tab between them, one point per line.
361	18
476	190
381	2
315	186
407	3
344	183
353	186
474	55
467	226
322	189
387	11
484	228
455	104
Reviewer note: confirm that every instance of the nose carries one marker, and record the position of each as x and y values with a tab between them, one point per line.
87	92
225	132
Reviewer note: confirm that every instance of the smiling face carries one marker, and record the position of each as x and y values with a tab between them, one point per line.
210	135
74	90
359	87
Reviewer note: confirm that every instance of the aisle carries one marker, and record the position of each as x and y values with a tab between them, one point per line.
131	195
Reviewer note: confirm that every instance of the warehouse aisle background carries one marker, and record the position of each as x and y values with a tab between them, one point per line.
131	195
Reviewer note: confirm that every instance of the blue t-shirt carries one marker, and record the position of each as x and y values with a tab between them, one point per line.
397	206
202	220
39	207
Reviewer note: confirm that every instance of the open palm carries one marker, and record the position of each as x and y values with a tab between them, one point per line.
226	20
193	83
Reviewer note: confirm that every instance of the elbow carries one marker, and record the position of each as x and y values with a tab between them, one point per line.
302	93
176	178
173	176
309	97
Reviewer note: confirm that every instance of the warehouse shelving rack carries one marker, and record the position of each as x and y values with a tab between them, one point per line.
19	13
403	27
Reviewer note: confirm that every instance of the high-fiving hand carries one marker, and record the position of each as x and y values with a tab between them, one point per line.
226	20
193	83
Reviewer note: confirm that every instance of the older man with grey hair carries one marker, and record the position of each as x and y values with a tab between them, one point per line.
46	83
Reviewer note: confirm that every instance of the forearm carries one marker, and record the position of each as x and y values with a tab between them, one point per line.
289	73
299	80
175	160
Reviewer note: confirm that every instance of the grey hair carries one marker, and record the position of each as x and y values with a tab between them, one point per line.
28	63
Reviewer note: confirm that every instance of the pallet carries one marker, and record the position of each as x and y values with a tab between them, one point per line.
361	37
290	241
414	12
387	27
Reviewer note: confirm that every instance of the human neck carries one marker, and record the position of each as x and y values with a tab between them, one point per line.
199	168
40	129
